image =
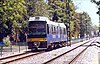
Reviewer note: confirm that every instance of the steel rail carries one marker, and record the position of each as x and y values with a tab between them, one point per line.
65	53
76	57
17	57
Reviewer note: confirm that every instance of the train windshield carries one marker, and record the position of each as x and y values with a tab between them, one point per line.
37	27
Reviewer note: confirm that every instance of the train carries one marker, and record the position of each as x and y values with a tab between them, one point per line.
45	34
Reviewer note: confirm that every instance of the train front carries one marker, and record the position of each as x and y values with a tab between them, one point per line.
37	34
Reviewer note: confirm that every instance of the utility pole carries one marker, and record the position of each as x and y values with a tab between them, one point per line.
68	20
81	32
86	29
98	12
99	19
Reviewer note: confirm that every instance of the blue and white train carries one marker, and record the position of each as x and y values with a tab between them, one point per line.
45	34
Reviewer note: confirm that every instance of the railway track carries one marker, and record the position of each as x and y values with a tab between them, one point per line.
29	54
75	58
18	57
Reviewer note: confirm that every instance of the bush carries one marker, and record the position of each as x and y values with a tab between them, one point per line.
6	41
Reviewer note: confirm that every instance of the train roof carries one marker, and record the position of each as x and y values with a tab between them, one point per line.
39	18
62	25
54	23
42	18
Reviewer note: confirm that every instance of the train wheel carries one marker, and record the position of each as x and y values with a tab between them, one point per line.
49	48
36	49
57	45
63	44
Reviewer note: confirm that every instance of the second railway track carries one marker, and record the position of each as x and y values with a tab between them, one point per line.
73	59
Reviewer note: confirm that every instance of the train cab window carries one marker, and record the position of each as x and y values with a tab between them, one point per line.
37	27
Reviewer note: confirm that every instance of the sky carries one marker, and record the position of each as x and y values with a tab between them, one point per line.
90	8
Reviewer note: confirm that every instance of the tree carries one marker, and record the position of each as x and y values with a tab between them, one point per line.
59	8
37	8
98	12
86	24
12	13
96	2
76	21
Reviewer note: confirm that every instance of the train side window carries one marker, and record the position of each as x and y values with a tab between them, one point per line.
56	29
52	29
60	30
64	30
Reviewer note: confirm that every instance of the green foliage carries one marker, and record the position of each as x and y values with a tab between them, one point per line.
71	26
98	12
59	7
6	41
37	8
96	2
96	27
86	23
12	13
40	9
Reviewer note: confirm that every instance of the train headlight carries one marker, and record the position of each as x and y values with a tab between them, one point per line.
45	39
37	44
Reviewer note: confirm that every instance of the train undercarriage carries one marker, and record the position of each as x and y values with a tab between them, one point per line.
45	45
